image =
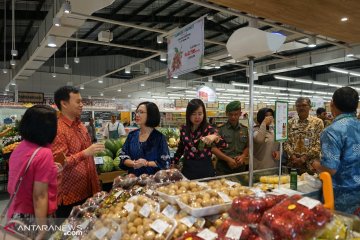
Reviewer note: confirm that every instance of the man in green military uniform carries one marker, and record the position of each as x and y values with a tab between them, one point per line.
234	158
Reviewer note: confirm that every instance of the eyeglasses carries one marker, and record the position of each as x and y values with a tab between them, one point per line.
302	105
139	112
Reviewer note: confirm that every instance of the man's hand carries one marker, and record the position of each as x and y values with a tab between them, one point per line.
240	160
93	149
232	163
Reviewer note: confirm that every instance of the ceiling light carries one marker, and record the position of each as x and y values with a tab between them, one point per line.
239	84
339	70
51	41
12	62
129	95
278	88
149	92
320	83
175	76
220	89
163	57
308	91
13	82
354	73
159	39
119	90
67	7
82	86
142	84
5	70
66	66
284	78
210	79
210	16
14	52
100	80
113	98
349	52
303	81
56	22
175	94
344	19
312	42
128	69
260	86
147	70
7	88
101	94
76	60
217	65
53	75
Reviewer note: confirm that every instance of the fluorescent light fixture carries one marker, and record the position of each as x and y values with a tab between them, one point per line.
308	91
13	82
261	86
159	39
119	90
5	70
282	94
56	22
335	85
128	69
51	41
239	84
163	57
175	94
53	75
222	89
320	83
12	62
82	86
189	91
67	7
101	80
284	78
210	78
76	60
303	81
142	84
102	94
278	88
217	65
321	92
14	52
147	70
129	95
229	94
312	42
354	73
349	52
66	66
294	90
176	87
339	70
7	89
160	97
344	19
175	76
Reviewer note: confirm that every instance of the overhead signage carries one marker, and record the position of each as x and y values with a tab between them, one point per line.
30	97
207	94
181	103
186	49
102	115
281	121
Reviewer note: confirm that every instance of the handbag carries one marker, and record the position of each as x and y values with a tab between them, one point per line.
5	231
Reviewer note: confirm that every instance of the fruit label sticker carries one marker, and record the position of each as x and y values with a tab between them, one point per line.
224	197
309	202
145	210
98	160
149	192
116	195
159	226
207	234
169	211
100	234
234	232
230	183
85	224
188	221
129	207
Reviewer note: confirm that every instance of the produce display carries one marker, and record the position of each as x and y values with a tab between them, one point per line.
111	154
172	136
182	187
11	138
275	179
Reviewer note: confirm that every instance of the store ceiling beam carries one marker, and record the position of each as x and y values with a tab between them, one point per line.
33	15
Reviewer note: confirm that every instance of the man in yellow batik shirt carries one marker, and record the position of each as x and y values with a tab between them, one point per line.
303	145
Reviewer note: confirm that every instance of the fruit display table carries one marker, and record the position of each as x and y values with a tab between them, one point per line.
109	177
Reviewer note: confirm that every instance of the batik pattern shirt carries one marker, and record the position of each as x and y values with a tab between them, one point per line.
340	143
304	139
189	142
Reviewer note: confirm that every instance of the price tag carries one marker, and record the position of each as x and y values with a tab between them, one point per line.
159	226
224	197
84	224
201	222
308	202
188	221
234	232
98	160
149	192
202	184
230	183
129	207
169	211
116	195
258	192
100	234
145	210
117	235
207	234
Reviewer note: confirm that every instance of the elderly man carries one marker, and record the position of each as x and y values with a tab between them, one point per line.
233	158
340	146
303	145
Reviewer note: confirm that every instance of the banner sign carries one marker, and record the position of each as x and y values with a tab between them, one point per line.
186	49
30	97
281	121
207	94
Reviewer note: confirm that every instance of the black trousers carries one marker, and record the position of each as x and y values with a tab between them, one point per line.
64	211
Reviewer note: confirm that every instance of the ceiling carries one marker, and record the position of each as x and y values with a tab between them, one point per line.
135	25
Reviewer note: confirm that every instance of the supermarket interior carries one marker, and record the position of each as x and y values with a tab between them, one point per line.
179	119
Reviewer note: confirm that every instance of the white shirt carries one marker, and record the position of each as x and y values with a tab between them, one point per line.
112	127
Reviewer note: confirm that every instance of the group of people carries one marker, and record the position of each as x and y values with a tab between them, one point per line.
59	152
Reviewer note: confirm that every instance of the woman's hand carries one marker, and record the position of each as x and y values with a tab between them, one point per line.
209	139
140	163
268	120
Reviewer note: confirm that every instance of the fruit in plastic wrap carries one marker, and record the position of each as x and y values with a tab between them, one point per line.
170	175
293	220
249	209
126	182
336	229
194	235
182	187
231	230
204	199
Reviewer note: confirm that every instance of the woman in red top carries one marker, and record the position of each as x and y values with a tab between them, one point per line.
197	158
35	200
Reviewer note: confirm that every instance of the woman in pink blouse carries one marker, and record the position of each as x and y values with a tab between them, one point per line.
35	200
197	156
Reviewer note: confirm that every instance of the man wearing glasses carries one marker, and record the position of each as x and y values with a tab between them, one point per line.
303	145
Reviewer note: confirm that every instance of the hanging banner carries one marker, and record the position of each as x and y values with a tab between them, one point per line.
281	121
207	94
186	49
